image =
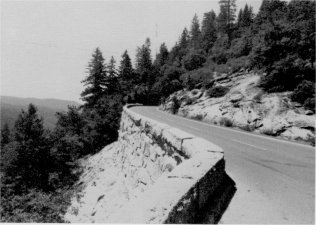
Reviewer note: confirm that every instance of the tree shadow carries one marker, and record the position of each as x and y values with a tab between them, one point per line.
218	202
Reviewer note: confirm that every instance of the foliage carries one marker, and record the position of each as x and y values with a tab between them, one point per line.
208	31
310	104
195	33
95	82
34	206
198	117
217	91
36	163
224	121
226	16
175	105
303	91
193	60
5	135
248	127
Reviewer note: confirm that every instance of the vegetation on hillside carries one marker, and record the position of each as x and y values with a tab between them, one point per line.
38	167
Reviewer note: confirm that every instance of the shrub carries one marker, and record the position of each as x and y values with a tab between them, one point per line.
194	92
235	64
310	104
193	60
176	105
248	128
224	121
218	91
195	78
198	117
303	91
311	140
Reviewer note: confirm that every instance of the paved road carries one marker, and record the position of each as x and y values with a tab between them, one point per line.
275	179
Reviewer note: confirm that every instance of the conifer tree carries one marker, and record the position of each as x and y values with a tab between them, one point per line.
144	63
5	135
208	30
184	39
195	33
162	56
33	153
226	16
95	82
126	75
111	77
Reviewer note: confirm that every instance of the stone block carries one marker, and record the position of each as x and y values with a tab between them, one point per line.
195	145
175	137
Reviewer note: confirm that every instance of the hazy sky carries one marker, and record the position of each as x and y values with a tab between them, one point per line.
46	45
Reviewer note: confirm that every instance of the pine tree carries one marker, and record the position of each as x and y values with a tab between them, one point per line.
226	16
245	17
5	135
34	155
184	39
111	78
95	82
126	75
144	63
162	56
195	33
208	30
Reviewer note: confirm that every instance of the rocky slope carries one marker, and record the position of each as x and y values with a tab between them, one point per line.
248	107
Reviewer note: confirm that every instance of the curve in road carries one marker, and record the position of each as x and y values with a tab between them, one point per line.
275	179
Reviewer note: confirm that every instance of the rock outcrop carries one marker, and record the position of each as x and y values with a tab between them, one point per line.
153	174
248	107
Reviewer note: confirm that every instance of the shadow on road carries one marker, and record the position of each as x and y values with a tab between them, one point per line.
218	202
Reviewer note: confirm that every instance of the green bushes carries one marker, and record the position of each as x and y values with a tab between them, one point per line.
198	117
35	206
303	93
192	78
248	127
310	104
193	60
224	121
217	91
175	105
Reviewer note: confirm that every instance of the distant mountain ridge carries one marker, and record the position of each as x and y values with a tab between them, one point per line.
47	108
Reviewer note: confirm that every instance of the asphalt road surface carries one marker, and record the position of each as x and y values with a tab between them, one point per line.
275	179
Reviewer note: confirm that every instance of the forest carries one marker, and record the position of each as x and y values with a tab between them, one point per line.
39	167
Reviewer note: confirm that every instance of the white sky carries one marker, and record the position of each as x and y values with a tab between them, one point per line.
46	45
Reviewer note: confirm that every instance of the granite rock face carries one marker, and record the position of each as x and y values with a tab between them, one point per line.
248	107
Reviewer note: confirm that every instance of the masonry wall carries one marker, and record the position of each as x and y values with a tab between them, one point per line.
176	172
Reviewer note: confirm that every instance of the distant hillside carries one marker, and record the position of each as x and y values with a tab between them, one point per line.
11	107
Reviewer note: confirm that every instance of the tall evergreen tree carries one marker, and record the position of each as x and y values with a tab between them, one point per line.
111	77
195	33
226	16
33	161
96	81
184	39
208	30
127	77
271	11
162	56
144	63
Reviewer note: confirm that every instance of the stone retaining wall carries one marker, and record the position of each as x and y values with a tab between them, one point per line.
176	172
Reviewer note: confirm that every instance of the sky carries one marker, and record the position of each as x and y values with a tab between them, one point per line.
46	45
